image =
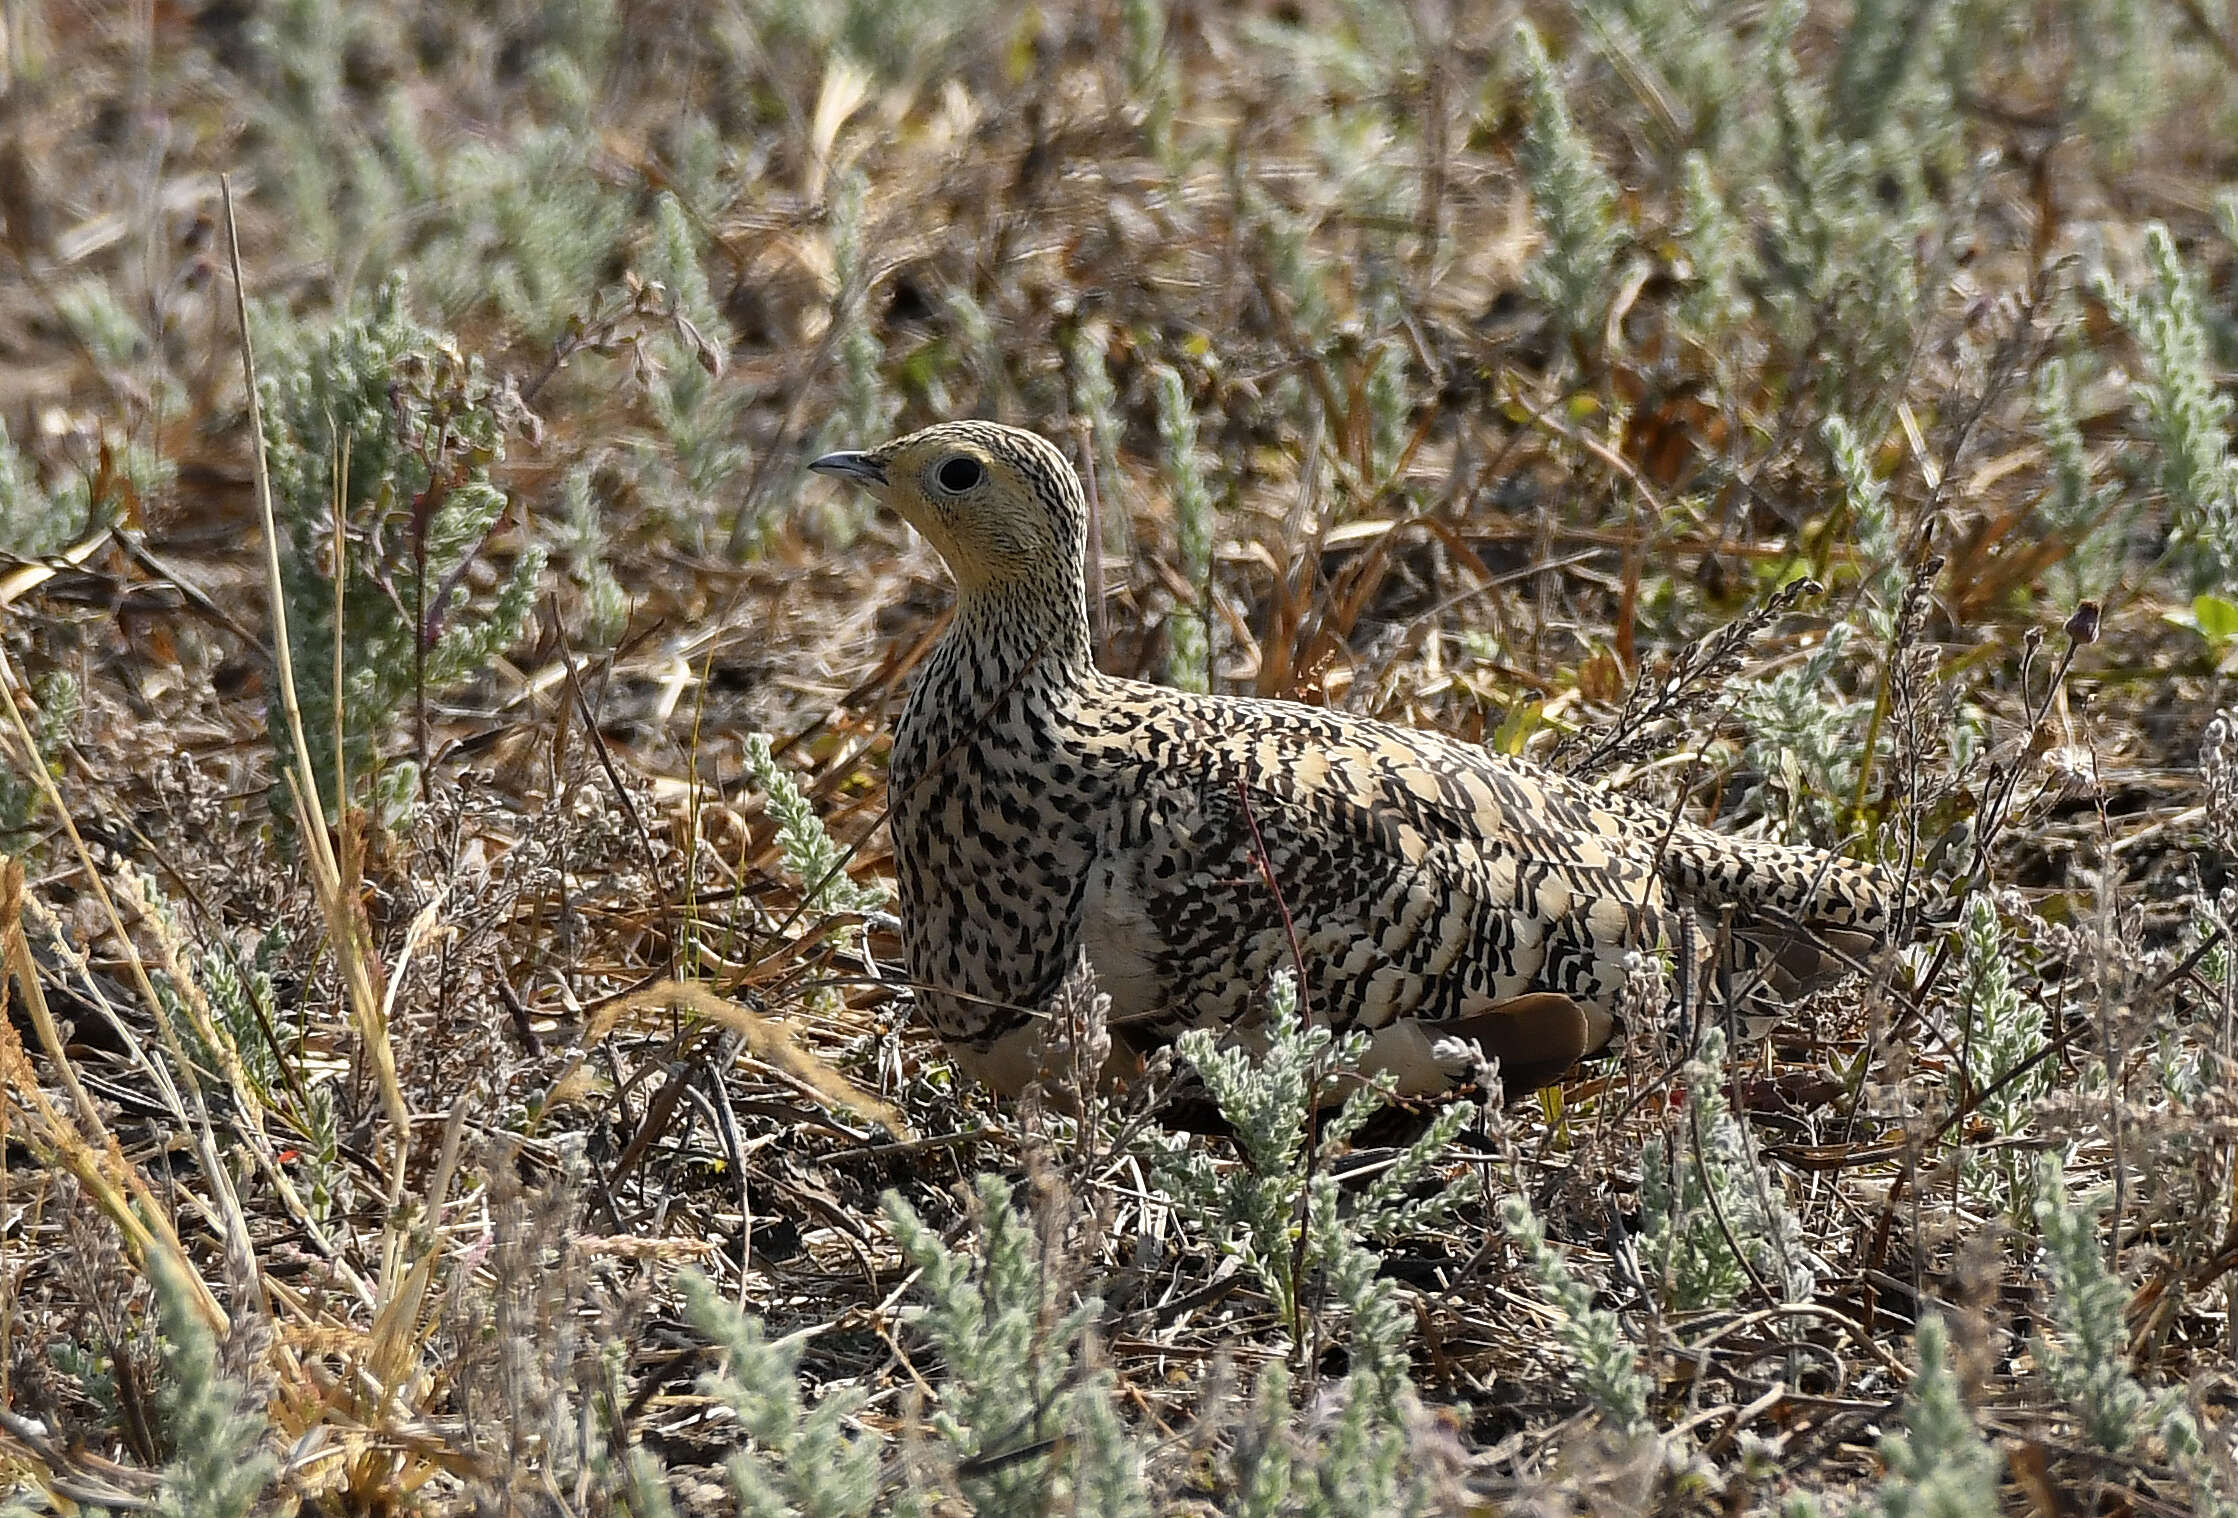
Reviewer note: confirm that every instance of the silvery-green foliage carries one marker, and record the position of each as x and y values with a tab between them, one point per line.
815	858
407	429
605	603
1352	58
895	39
1872	525
698	457
1254	1210
1096	400
1355	1461
1153	79
1352	147
1705	1169
36	520
55	702
979	345
1999	1033
1804	738
1011	1352
1389	411
1293	266
1834	178
1265	1460
1719	259
117	339
219	1463
237	982
2187	413
1107	1479
528	226
1188	636
1572	196
799	1461
866	407
2117	45
2086	1358
1880	58
2089	516
1607	1369
1939	1466
2107	58
1692	66
2202	1457
32	522
1842	197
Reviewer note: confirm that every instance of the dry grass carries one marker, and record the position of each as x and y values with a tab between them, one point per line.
412	1108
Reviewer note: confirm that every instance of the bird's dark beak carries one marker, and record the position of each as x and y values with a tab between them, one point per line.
859	467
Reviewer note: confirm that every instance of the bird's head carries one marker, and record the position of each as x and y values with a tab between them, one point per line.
1003	506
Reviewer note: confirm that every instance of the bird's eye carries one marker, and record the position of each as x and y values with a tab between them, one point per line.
958	474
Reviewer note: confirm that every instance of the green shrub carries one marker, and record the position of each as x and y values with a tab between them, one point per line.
1939	1466
388	422
1704	1192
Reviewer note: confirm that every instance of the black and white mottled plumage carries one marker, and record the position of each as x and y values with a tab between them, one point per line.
1437	895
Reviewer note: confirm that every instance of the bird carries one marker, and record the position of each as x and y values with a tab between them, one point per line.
1451	903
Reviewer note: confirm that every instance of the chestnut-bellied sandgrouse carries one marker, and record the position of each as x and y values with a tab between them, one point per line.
1191	845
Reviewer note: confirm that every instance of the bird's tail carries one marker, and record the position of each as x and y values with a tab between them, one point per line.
1796	919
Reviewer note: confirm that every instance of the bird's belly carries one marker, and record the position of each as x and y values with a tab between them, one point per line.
1123	944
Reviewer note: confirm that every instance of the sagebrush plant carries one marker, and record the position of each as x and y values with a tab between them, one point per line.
518	223
1939	1466
1277	1210
894	39
55	701
1804	738
2001	1038
2091	517
1095	400
381	438
605	604
1705	1191
1151	77
1698	53
2187	413
801	1459
219	1464
1600	1352
1718	261
1283	1214
1844	187
1026	1420
698	457
1016	1362
1872	527
2108	62
865	407
1572	198
1188	631
1835	175
815	858
117	473
2086	1358
1294	267
530	225
30	523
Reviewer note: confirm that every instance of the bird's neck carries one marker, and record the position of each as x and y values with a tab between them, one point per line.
1006	643
1019	629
